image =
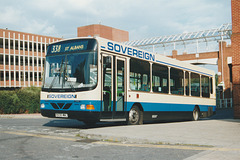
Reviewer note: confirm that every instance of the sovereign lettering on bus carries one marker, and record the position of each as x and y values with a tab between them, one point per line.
130	51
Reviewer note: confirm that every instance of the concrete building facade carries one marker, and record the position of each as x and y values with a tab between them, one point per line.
22	55
22	58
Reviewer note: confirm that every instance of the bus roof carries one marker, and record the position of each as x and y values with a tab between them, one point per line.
121	49
116	47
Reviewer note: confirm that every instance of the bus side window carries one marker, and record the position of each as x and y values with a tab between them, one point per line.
211	85
160	78
195	84
176	79
205	86
186	83
139	75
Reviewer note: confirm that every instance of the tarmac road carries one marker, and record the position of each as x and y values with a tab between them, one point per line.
213	138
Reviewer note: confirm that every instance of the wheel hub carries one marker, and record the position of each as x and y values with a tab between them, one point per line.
133	116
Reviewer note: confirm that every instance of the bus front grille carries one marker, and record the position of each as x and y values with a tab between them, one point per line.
61	105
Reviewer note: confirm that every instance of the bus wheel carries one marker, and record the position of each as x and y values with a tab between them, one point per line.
195	114
135	116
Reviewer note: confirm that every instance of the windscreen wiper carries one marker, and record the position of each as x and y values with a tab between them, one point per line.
51	85
64	75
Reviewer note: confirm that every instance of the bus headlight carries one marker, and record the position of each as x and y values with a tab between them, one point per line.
82	107
42	105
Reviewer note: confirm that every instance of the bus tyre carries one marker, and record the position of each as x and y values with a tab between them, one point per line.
195	114
135	116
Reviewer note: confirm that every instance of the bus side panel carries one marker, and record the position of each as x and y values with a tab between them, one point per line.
170	111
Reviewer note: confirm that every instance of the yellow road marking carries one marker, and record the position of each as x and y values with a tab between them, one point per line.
182	147
40	135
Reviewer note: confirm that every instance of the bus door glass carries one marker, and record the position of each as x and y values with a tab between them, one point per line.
120	88
113	87
107	88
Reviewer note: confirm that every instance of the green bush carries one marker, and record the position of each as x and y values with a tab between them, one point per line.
24	100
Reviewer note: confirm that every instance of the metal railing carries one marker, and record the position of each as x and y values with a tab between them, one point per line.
224	103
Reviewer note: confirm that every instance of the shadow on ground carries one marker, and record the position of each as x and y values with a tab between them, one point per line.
221	114
226	114
71	123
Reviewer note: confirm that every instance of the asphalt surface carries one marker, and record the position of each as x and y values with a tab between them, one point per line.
218	137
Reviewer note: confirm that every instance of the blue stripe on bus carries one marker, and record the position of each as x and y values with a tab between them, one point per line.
146	106
170	107
173	65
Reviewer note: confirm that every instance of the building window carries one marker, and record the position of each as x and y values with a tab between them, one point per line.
6	60
12	60
26	75
1	76
7	76
17	76
12	76
16	60
11	44
35	76
22	74
40	76
21	60
1	43
31	76
21	45
26	61
31	61
6	43
35	61
1	59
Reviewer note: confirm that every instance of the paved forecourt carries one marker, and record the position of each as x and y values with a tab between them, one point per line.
217	136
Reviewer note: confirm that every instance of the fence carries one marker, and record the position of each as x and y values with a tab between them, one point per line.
224	103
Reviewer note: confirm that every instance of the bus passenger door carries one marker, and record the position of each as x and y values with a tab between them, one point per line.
107	89
113	87
120	90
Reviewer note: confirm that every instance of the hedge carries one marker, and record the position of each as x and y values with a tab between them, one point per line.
24	100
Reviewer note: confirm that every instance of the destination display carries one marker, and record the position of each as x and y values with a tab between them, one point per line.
70	46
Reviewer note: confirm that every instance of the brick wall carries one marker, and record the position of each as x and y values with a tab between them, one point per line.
104	32
236	56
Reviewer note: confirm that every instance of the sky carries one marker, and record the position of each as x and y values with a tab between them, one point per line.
141	18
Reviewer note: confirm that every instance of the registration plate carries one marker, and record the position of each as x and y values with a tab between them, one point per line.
61	115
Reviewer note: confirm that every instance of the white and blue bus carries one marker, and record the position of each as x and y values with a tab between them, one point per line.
95	79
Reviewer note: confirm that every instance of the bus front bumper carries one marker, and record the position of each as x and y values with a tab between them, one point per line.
79	115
